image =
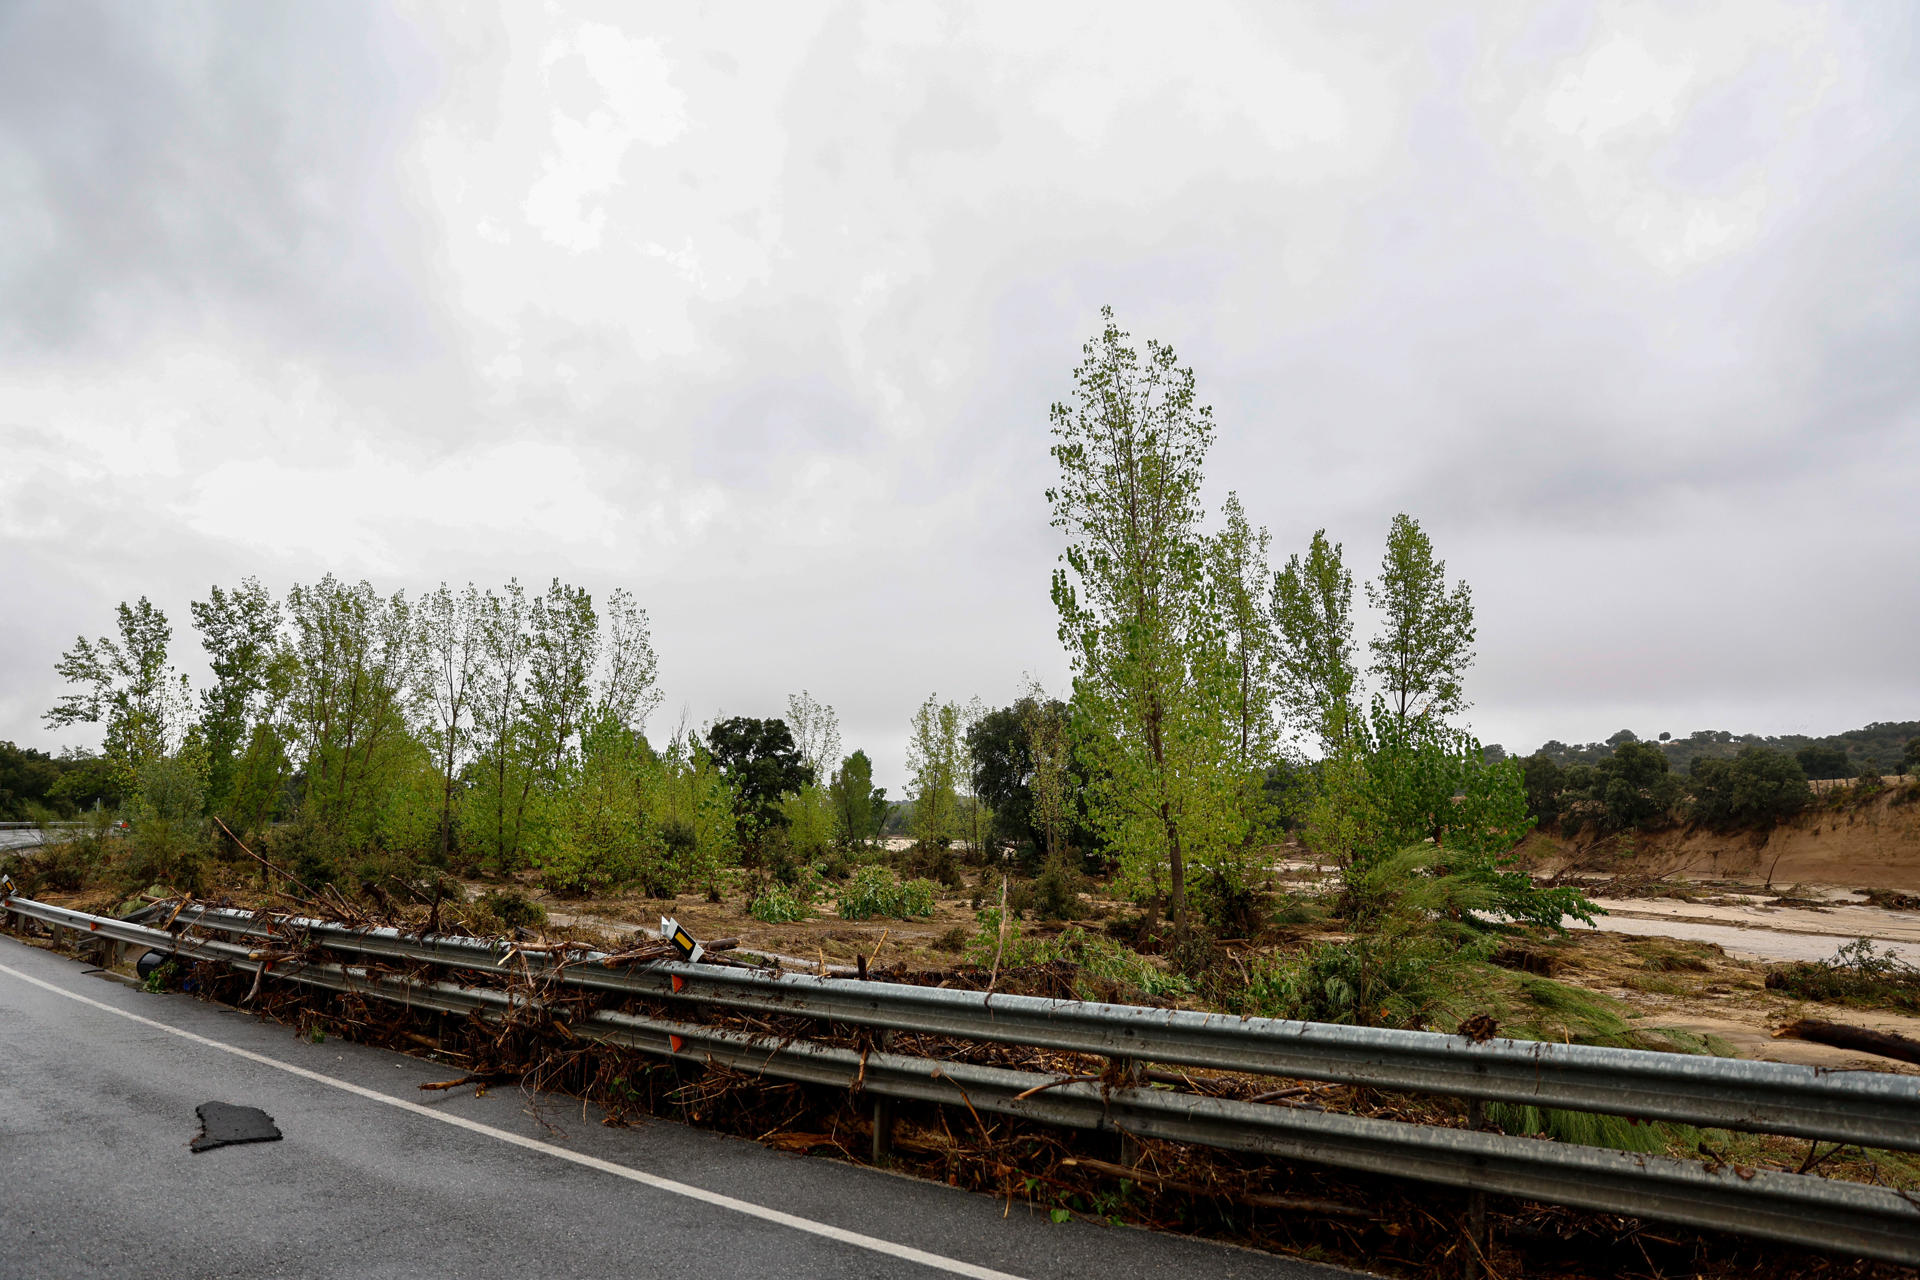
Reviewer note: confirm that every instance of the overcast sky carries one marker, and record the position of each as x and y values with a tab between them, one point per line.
757	311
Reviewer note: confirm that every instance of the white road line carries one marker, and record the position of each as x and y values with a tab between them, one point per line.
751	1210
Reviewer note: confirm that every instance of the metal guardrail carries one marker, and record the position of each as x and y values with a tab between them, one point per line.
1863	1108
1858	1107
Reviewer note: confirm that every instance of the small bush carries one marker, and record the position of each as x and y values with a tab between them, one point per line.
780	904
1096	956
937	863
954	939
876	891
1230	907
1366	981
511	909
1055	892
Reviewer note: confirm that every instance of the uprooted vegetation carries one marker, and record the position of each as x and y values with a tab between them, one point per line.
1858	975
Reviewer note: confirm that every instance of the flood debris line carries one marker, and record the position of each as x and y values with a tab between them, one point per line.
223	1124
1344	1171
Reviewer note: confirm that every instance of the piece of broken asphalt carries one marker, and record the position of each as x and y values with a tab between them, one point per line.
224	1125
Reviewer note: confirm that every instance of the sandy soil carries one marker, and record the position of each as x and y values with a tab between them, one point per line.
1726	998
1752	930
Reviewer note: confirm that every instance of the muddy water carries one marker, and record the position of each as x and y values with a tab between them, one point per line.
1749	941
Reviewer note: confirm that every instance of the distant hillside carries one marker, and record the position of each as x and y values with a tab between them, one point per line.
1841	755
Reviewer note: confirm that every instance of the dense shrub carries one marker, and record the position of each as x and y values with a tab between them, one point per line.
777	903
876	891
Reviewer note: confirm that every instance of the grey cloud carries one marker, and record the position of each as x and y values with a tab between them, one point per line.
221	161
1683	493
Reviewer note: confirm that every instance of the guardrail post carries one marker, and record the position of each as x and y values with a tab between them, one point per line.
1477	1236
1128	1074
882	1112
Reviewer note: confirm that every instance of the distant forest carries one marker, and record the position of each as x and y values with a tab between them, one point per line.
1841	755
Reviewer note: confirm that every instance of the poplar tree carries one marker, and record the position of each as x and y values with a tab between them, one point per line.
1422	652
239	629
355	654
934	753
452	652
123	682
1134	615
1237	572
1312	606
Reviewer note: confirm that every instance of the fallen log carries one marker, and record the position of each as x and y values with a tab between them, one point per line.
1885	1044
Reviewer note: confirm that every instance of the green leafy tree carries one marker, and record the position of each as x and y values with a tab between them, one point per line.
1312	607
1758	787
1050	753
859	807
934	759
503	765
1634	787
1238	582
1405	783
598	836
1820	760
816	732
564	650
762	766
809	821
1544	781
169	824
123	682
1426	643
1151	707
354	657
998	744
451	652
626	686
87	781
1910	758
28	777
696	813
239	630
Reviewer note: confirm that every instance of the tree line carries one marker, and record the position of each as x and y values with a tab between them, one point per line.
351	733
1217	700
1633	786
1883	747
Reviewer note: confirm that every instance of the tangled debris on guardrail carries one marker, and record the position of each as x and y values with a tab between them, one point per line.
519	1022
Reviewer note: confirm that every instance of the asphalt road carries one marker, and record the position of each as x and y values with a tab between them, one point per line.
374	1178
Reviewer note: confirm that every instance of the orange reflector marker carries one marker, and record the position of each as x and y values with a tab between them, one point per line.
674	1042
678	982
